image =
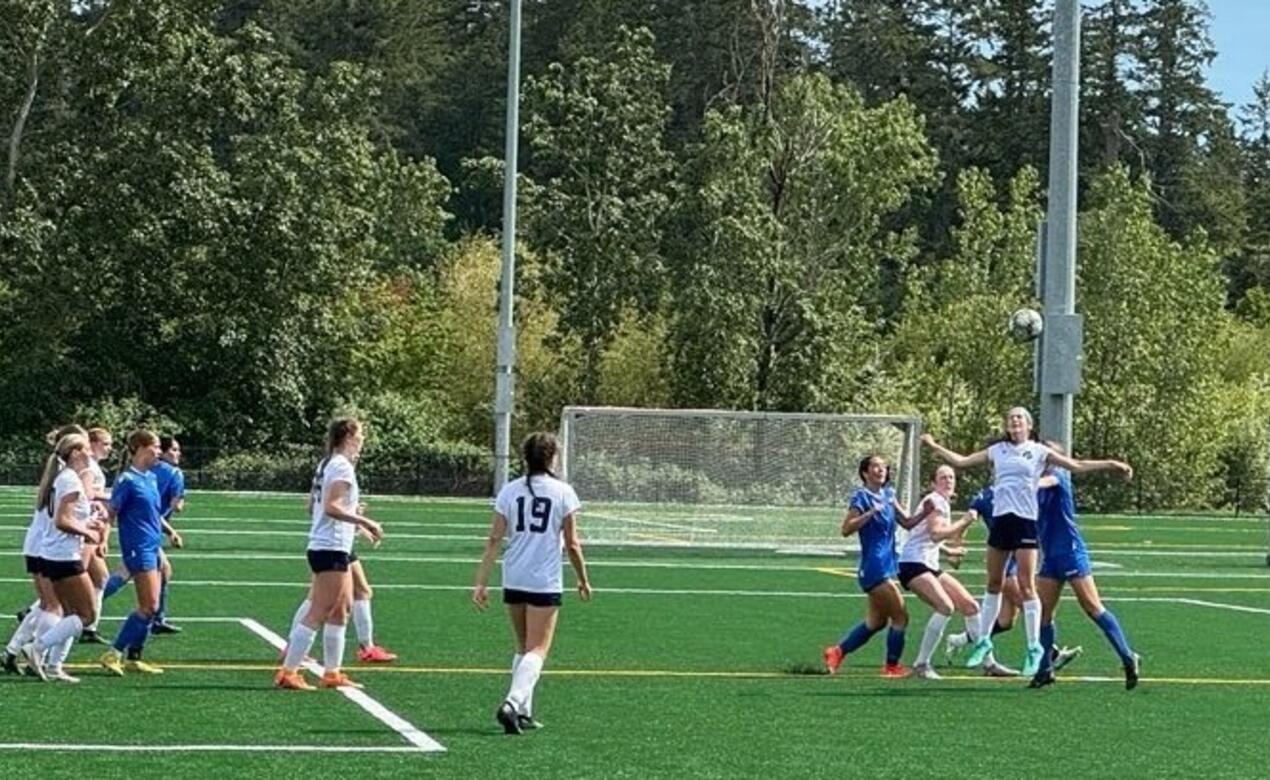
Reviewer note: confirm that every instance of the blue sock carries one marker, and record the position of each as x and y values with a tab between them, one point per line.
1111	627
113	585
133	633
1049	637
894	645
855	638
162	614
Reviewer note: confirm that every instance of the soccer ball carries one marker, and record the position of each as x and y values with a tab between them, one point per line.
1026	325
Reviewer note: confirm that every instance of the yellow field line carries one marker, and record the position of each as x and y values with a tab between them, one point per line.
836	572
675	674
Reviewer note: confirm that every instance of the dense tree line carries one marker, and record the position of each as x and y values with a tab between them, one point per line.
238	216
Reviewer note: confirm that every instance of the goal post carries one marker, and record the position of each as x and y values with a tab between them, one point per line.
705	477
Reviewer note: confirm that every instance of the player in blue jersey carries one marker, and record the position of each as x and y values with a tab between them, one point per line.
873	512
136	507
1018	463
1066	560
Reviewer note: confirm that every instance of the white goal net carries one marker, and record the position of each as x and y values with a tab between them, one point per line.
723	478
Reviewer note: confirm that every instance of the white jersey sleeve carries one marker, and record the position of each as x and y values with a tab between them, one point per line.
920	547
1016	470
328	533
535	524
59	545
35	533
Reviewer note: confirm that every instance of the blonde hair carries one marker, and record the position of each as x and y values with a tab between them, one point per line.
56	461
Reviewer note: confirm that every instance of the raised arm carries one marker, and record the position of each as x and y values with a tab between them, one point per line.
855	519
1086	466
954	459
940	530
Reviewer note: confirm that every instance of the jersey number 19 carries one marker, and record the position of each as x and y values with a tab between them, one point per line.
539	510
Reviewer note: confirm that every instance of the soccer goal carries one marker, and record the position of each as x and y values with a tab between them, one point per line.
724	478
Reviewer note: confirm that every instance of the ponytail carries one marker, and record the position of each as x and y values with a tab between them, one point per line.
538	451
53	465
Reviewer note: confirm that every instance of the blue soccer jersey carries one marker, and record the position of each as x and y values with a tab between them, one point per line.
171	484
878	560
135	498
982	505
1056	523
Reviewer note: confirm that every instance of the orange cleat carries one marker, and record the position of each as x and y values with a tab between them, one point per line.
374	654
833	658
337	679
894	671
291	681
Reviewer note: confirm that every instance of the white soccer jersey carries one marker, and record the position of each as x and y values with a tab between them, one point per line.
920	547
59	545
1016	469
327	533
35	533
97	478
535	523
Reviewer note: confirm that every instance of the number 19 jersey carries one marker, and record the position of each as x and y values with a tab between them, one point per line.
535	523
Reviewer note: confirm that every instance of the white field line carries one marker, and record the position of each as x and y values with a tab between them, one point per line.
1220	605
653	523
408	731
23	746
293	534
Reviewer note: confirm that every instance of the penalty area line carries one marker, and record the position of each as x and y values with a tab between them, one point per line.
23	746
421	741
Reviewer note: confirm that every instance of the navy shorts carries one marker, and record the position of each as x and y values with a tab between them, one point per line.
352	557
60	570
911	571
328	560
34	564
1011	532
513	596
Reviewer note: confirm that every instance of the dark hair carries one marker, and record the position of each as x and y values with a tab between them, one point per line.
538	451
339	430
54	436
866	461
166	442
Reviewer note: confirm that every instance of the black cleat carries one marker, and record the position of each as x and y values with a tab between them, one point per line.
1131	672
527	723
164	628
1043	678
91	637
506	715
11	663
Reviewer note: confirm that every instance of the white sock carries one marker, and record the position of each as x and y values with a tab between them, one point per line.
363	622
523	680
930	637
972	633
988	615
528	708
1032	621
66	628
25	631
98	597
333	647
301	613
57	655
298	645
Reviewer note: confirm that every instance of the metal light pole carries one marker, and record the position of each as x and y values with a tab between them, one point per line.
1060	354
504	379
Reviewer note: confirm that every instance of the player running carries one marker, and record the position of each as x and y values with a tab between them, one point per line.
873	512
537	513
1066	560
1017	465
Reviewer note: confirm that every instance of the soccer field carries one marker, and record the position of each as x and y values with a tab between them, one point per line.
686	663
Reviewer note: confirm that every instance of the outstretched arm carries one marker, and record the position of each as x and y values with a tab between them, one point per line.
954	459
1086	466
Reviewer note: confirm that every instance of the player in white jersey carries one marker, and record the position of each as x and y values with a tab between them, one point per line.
46	609
538	513
64	498
334	503
1017	465
100	444
920	572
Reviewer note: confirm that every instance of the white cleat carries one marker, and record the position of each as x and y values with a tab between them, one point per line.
35	660
993	669
1066	655
925	672
61	675
953	644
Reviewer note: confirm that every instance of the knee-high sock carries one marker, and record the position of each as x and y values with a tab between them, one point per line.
25	631
113	585
1032	621
972	628
333	647
527	709
363	622
132	636
894	645
1111	628
301	613
57	655
988	615
856	638
524	679
67	627
1049	639
298	645
930	637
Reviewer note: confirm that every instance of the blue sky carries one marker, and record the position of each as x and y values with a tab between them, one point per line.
1241	35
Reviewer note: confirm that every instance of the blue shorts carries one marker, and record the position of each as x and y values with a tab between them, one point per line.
871	579
1011	532
141	559
1068	566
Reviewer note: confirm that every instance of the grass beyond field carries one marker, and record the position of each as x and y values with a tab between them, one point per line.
686	664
